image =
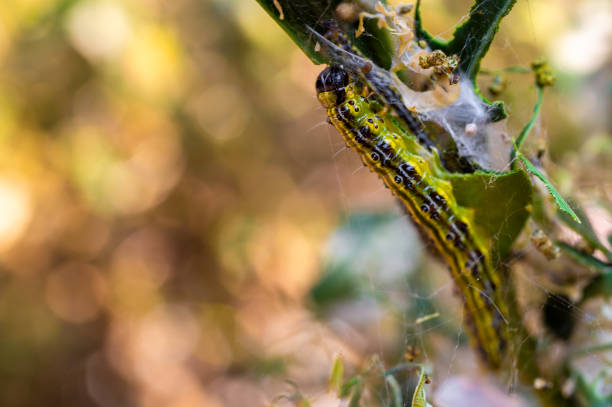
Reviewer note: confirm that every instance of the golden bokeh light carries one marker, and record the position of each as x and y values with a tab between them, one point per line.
16	209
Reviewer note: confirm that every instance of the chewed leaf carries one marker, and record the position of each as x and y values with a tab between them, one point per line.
500	203
558	198
419	398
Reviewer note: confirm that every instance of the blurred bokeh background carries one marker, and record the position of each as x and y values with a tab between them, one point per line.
170	194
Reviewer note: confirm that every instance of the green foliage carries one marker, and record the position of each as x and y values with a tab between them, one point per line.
543	78
336	284
297	14
336	376
500	202
525	132
590	392
585	259
471	40
363	242
601	284
584	229
553	191
419	398
389	391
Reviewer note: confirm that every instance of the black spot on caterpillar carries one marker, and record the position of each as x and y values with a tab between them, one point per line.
415	175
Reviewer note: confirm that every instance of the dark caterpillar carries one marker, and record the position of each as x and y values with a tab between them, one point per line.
415	175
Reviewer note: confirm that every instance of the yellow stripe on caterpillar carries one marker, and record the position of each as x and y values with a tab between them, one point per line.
414	174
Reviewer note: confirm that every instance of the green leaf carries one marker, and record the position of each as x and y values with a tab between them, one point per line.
336	284
363	242
472	39
601	284
500	201
419	398
356	394
525	132
298	14
349	386
336	375
558	198
584	228
339	281
422	34
585	259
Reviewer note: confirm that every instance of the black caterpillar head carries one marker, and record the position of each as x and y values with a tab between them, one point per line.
332	78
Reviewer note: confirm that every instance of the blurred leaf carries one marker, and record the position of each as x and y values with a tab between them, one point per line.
375	45
362	243
590	393
419	398
271	366
356	394
601	284
348	386
500	203
336	375
584	258
335	284
584	228
396	392
558	198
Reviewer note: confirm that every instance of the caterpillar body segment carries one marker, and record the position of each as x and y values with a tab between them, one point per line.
415	175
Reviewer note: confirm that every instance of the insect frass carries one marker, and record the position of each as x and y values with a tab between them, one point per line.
416	176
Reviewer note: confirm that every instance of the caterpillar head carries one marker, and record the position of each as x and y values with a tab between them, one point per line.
331	85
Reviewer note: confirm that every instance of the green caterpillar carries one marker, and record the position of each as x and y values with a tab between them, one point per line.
415	175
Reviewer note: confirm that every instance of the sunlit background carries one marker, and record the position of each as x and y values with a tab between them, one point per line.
169	194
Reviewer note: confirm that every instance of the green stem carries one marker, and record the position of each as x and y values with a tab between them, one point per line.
525	132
